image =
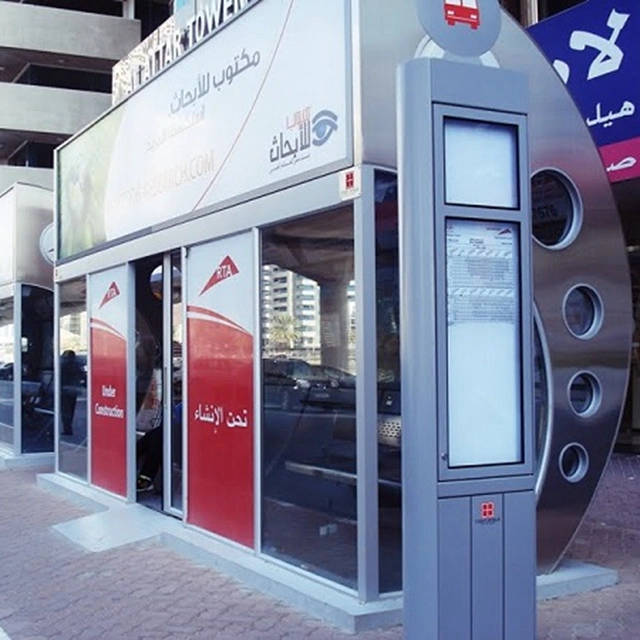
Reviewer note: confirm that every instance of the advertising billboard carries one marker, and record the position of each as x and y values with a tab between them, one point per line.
594	48
220	329
242	113
108	415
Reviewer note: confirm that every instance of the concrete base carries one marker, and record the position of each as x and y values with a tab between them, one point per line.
118	523
42	461
574	577
79	493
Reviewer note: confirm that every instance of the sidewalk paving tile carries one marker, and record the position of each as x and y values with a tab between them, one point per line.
52	589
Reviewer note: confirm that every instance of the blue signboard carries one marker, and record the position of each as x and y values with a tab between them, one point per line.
595	47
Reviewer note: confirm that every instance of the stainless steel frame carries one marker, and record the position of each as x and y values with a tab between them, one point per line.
596	257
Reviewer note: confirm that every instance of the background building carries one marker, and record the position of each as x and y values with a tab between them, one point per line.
55	73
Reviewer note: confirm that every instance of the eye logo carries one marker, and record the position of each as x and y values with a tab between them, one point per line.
324	123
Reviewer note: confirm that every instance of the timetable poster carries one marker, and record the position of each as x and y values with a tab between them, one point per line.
483	342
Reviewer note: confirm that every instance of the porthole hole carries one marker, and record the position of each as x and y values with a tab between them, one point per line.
556	213
584	394
582	311
574	462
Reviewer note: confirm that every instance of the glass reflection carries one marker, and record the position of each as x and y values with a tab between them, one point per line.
583	393
7	337
388	354
37	369
580	310
552	208
159	458
541	398
73	344
308	387
150	392
176	382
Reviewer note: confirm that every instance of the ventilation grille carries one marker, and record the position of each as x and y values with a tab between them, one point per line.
390	430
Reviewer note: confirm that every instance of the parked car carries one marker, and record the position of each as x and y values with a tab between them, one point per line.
6	371
294	383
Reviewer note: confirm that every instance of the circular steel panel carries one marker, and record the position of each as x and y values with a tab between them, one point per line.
596	258
588	253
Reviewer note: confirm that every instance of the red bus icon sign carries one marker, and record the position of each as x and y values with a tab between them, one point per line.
465	11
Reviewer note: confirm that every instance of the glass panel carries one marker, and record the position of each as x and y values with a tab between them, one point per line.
541	397
72	447
552	207
388	354
481	163
308	387
37	369
149	383
584	393
153	311
176	383
7	337
574	462
582	310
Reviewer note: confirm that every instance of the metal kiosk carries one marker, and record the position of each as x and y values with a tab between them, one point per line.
466	314
26	327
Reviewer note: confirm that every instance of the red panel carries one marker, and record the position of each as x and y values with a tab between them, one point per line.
220	423
621	159
109	416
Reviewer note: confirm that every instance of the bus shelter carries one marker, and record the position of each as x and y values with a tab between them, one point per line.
26	326
228	240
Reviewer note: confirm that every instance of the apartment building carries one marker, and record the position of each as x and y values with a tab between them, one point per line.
55	73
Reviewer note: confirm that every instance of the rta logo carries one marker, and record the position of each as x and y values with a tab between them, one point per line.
224	270
487	510
112	292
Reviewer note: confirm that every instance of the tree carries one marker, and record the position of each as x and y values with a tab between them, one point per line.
283	332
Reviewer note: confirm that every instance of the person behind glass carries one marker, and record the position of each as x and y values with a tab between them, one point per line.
71	379
149	450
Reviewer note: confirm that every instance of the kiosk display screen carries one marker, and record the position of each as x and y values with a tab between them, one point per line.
481	166
483	342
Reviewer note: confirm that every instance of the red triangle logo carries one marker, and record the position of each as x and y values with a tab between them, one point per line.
226	269
112	292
